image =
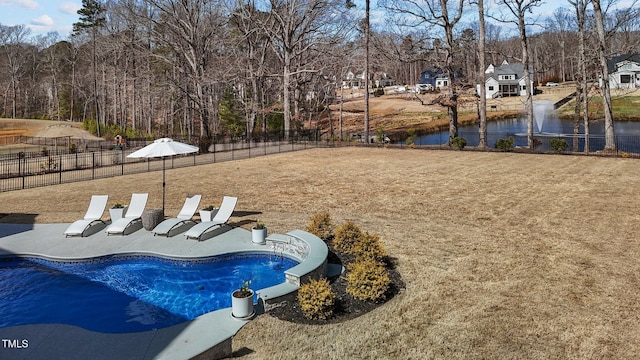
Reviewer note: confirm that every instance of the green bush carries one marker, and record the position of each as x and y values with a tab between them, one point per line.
411	136
347	236
505	144
369	247
316	299
378	92
458	143
558	145
367	280
321	225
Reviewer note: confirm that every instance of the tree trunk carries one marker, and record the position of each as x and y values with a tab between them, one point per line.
483	92
366	72
286	101
610	141
527	80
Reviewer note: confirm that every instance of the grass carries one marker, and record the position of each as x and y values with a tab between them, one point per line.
504	255
625	107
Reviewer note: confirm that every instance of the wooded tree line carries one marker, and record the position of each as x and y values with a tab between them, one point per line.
199	68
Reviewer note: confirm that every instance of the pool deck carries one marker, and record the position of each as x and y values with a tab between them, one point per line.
208	336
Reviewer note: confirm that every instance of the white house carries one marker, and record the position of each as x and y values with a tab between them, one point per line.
624	72
505	80
354	80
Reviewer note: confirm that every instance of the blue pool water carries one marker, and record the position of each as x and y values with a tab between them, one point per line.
127	293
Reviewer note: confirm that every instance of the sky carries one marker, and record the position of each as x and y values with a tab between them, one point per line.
41	16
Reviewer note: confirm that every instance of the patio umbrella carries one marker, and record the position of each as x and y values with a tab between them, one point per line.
163	148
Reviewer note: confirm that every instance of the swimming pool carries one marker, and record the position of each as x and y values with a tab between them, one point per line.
128	293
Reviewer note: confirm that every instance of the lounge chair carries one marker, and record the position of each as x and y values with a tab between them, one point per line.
221	218
93	216
133	215
188	210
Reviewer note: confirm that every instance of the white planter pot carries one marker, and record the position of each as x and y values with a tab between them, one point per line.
259	236
207	215
242	307
117	213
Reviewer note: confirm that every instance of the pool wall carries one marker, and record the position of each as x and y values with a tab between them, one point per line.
312	253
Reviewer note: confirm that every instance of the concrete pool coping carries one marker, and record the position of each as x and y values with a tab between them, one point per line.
206	336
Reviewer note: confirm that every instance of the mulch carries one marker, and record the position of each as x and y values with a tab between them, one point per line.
346	306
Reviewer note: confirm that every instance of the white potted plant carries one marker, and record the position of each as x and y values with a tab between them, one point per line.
259	233
242	302
207	213
117	211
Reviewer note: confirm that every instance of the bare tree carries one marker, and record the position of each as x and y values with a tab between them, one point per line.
51	64
560	25
190	29
445	14
13	40
482	109
610	141
296	28
582	86
518	10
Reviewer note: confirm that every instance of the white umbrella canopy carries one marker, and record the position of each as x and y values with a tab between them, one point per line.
163	148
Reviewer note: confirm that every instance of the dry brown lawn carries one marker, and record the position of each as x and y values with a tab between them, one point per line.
504	255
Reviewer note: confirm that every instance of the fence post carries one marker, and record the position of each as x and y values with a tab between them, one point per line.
93	165
60	169
23	171
122	161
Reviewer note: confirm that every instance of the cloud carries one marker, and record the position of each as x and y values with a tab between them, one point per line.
69	8
43	20
27	4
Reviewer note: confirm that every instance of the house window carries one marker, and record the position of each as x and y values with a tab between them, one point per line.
490	87
625	79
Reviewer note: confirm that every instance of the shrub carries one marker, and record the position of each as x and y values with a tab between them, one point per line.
458	143
347	236
316	299
380	134
378	92
367	280
321	225
558	145
505	144
411	136
369	247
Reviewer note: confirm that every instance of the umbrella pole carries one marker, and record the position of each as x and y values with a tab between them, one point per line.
163	185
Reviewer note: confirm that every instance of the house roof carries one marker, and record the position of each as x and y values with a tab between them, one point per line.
612	62
508	69
432	71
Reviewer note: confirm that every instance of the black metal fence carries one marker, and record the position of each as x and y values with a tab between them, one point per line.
626	145
23	170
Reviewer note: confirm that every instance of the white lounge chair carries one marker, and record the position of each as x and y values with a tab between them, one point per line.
188	210
133	215
221	218
93	216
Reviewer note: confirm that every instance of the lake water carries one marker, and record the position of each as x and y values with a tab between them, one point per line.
627	133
